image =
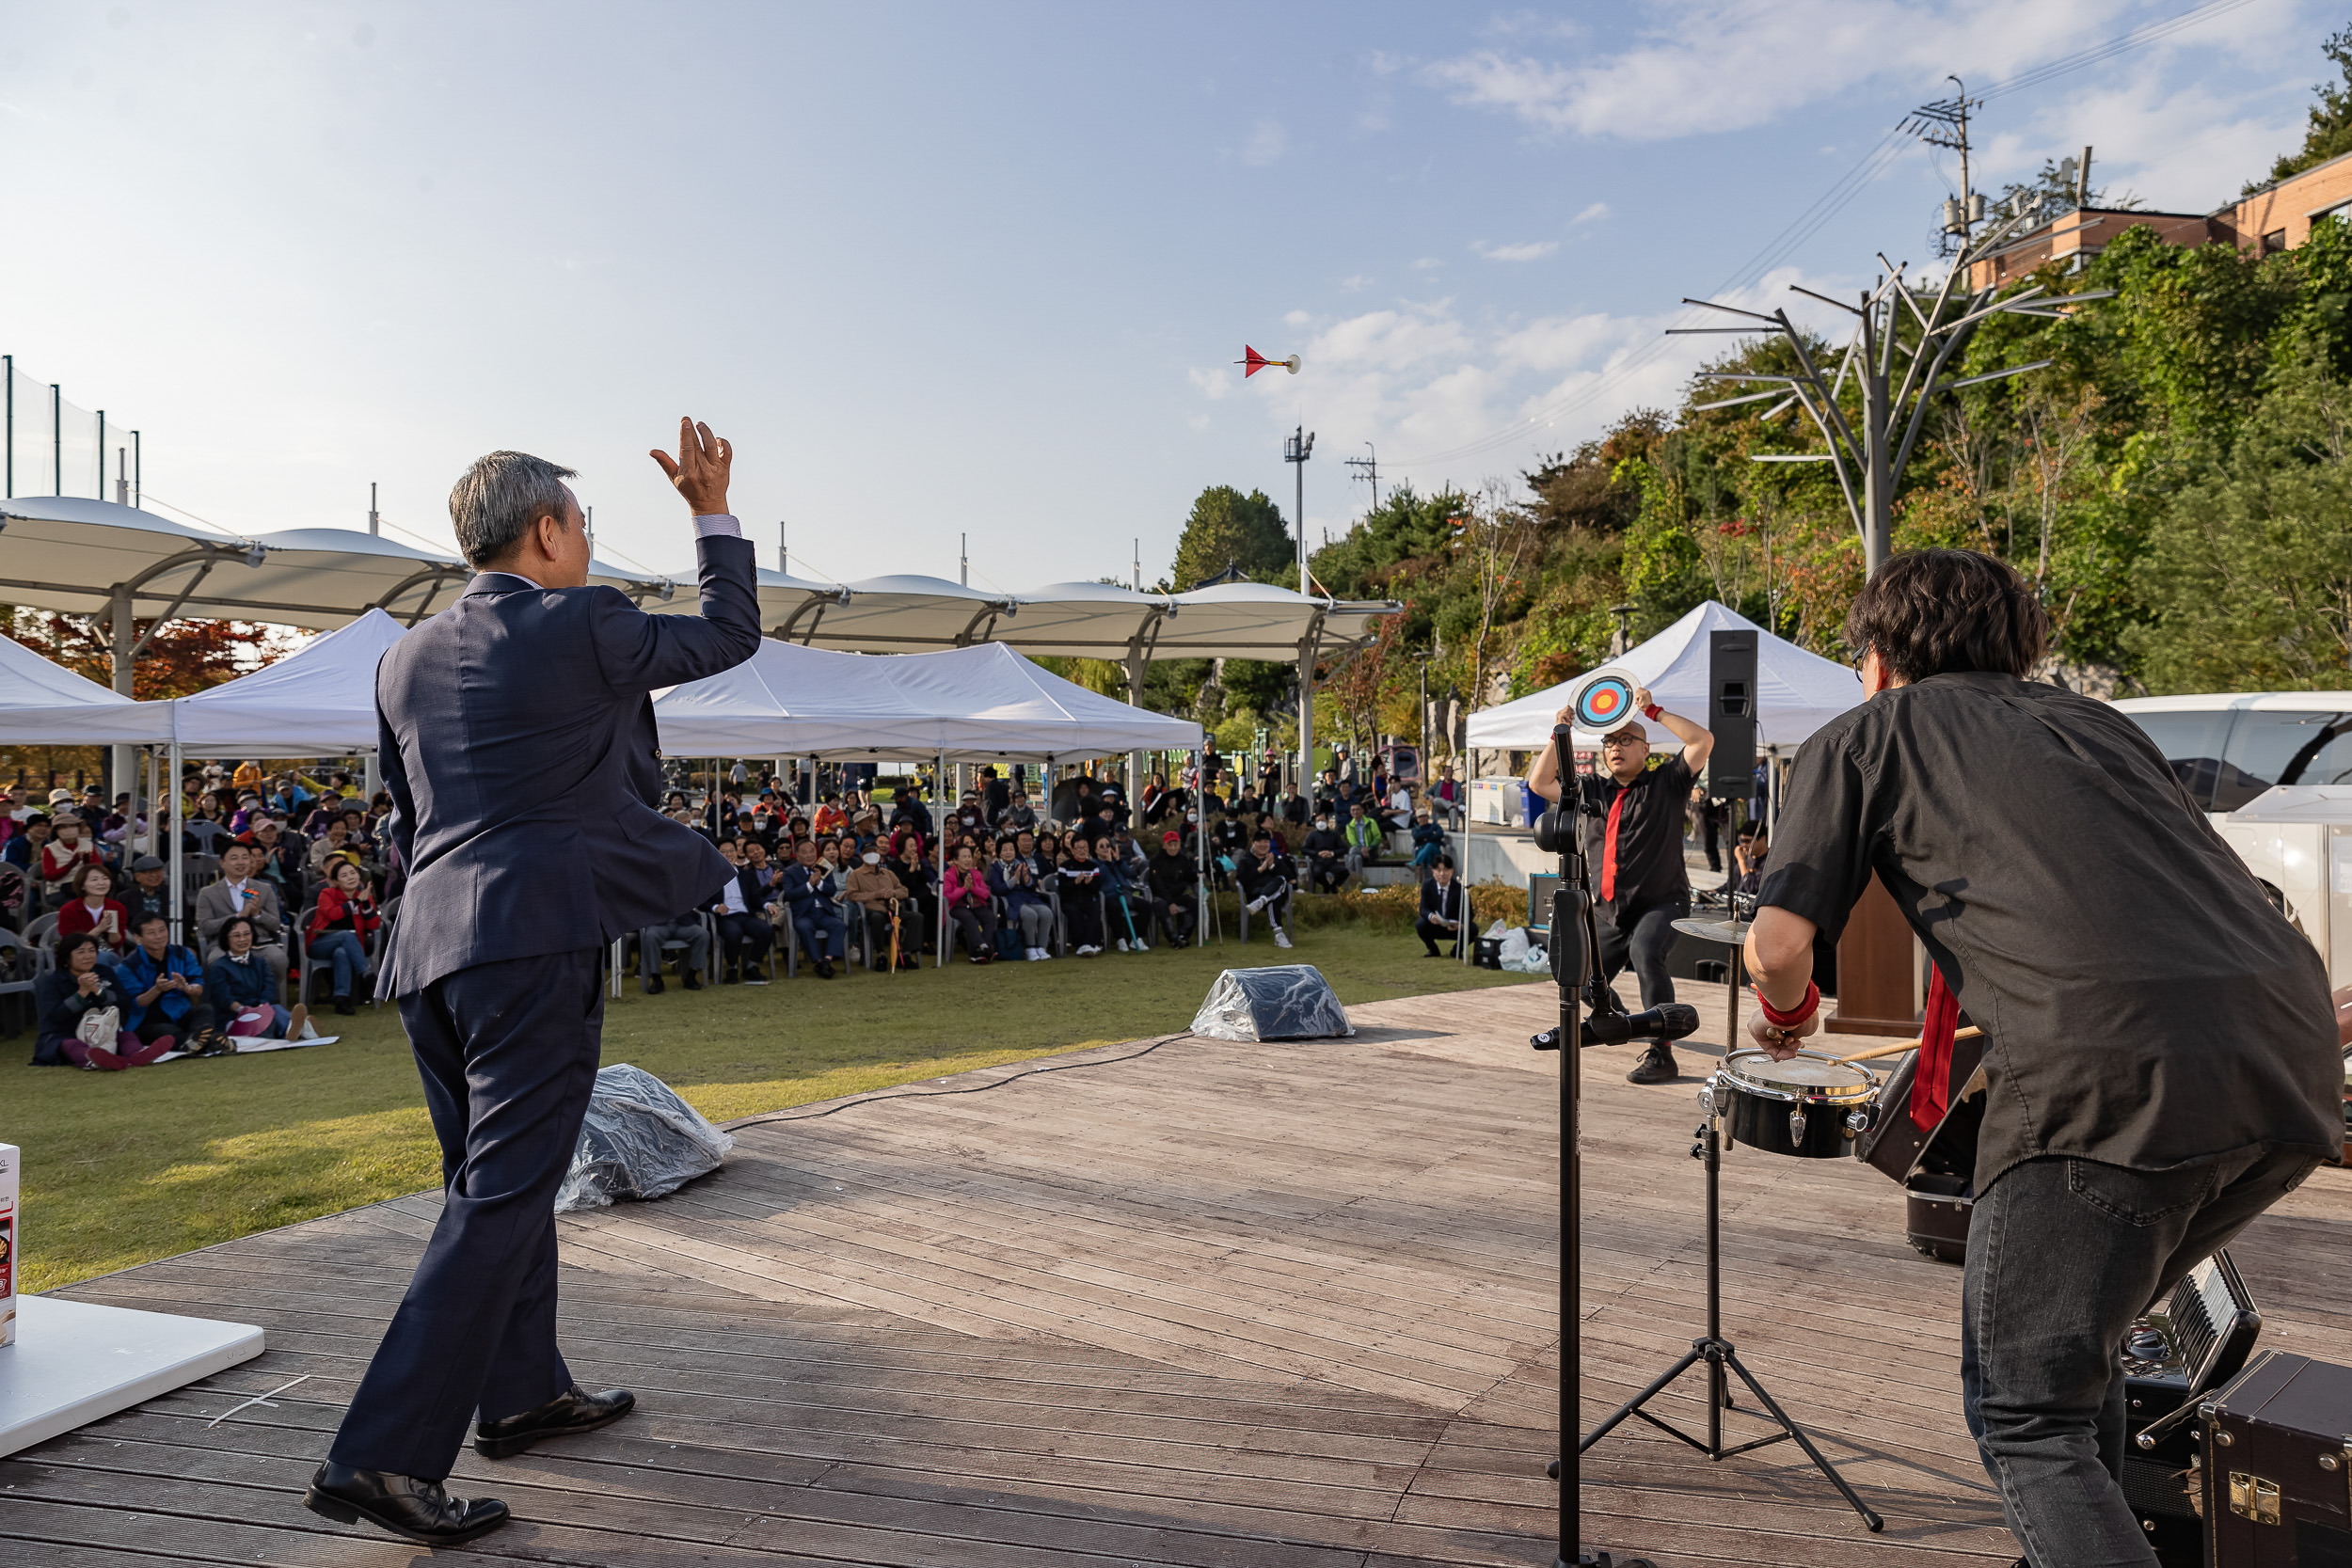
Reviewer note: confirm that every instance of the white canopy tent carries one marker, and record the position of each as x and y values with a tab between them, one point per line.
1796	691
29	681
979	703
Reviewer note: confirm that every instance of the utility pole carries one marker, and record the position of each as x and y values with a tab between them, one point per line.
1370	464
783	553
1138	583
101	491
122	476
964	559
1300	446
1622	638
375	519
138	497
1944	123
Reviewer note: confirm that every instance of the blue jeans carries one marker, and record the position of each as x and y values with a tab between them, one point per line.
348	953
2062	1255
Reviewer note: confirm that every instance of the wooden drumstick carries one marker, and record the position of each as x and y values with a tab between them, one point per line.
1896	1049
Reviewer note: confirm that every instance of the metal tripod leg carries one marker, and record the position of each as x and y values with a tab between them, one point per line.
1803	1442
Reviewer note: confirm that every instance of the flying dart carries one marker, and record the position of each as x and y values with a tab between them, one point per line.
1257	362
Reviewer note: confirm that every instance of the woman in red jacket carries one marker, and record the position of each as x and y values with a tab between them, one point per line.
340	929
96	911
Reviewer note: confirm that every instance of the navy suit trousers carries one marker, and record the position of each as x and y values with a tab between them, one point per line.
508	1051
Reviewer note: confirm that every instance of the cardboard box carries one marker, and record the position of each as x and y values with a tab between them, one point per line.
9	1161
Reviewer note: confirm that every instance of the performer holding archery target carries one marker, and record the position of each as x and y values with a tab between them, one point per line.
1633	837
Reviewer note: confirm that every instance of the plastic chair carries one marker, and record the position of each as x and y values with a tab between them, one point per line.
20	964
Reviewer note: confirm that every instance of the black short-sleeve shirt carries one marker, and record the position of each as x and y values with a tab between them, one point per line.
2143	1005
1649	836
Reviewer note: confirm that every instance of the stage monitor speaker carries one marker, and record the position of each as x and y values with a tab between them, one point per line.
1285	1002
1731	714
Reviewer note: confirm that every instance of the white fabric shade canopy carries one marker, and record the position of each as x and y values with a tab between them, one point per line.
1796	691
975	704
41	702
317	702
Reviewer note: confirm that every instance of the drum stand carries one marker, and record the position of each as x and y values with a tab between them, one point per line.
1717	1352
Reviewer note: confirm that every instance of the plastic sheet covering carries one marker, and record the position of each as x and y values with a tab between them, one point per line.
640	1141
1284	1002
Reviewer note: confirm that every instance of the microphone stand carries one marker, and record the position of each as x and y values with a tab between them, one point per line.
1575	952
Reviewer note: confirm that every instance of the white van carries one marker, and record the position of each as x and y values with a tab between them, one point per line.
2228	749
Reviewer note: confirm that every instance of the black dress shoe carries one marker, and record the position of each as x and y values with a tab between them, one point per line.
567	1415
693	980
824	968
1656	1066
654	986
413	1510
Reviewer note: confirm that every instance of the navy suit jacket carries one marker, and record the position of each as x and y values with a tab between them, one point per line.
516	736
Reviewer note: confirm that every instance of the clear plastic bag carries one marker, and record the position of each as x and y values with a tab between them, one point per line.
640	1141
1281	1002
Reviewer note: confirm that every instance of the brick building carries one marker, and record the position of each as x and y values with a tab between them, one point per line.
2274	218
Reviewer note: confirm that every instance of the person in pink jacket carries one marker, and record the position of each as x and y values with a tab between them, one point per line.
966	891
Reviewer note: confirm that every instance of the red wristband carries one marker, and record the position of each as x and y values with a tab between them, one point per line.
1650	712
1802	1010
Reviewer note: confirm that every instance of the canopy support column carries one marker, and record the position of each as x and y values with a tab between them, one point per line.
121	632
1307	646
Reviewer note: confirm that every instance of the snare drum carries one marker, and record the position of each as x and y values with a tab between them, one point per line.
1811	1105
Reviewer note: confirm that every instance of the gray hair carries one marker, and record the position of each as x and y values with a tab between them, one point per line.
494	500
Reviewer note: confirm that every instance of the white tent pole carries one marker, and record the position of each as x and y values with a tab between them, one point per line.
939	856
1200	843
179	872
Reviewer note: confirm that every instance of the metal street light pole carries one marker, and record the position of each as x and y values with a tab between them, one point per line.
1299	447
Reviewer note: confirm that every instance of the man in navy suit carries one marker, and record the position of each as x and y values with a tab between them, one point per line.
516	736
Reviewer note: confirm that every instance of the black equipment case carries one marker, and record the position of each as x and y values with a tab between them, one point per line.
2278	1467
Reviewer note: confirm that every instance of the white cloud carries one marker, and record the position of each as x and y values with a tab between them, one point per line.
1427	264
1296	318
1594	214
1355	283
1268	142
1530	250
1703	66
1211	385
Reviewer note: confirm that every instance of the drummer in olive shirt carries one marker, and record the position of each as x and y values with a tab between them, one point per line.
1633	840
2158	1044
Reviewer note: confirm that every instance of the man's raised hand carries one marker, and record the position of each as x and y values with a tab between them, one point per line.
700	469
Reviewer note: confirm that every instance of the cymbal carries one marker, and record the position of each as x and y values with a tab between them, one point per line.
1730	932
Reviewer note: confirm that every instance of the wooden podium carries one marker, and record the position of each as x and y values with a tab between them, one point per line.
1876	976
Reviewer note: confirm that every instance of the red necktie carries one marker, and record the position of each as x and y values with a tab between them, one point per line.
1609	849
1930	1082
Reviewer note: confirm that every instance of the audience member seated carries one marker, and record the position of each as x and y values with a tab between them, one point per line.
1018	816
744	938
970	910
63	857
1399	817
23	850
97	912
914	868
1014	886
1295	811
1174	882
808	891
876	896
1266	877
167	1008
1442	909
1325	854
239	892
1747	860
1126	899
1367	839
332	844
279	861
340	927
239	980
63	996
829	816
1082	891
1428	843
688	928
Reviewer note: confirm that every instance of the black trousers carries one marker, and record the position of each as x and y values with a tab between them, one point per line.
508	1053
1175	916
1432	934
1640	937
745	939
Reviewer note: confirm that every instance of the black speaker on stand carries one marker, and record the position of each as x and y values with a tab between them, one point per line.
1731	714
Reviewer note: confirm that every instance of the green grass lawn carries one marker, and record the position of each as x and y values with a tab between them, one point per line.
124	1167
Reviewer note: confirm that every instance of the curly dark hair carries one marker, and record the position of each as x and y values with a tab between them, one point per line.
1935	612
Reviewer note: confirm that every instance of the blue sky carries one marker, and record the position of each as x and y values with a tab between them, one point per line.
982	269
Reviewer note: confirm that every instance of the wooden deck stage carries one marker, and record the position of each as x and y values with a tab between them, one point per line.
1220	1305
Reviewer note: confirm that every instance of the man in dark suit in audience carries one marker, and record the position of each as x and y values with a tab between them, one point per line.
518	740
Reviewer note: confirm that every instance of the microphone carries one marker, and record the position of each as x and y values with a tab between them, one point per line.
1668	1021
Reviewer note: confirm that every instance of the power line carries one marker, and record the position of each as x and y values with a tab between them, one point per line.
1809	222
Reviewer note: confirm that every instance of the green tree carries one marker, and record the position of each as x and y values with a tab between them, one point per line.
1228	528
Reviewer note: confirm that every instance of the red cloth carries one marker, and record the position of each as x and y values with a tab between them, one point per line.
1930	1083
76	917
1608	850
